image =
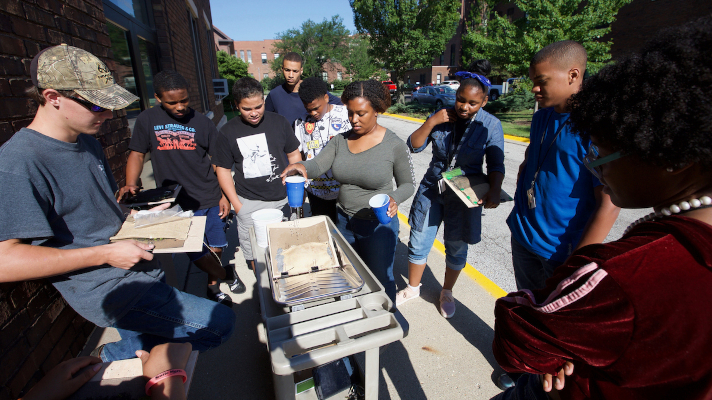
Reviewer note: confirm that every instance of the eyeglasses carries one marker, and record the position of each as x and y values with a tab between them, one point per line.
593	160
89	105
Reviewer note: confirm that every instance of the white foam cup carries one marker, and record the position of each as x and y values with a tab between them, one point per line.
262	218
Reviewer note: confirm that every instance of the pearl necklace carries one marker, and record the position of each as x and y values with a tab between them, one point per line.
684	206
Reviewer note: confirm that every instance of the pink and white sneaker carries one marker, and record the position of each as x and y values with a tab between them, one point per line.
447	303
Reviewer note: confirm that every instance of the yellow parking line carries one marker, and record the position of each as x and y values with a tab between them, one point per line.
510	137
469	270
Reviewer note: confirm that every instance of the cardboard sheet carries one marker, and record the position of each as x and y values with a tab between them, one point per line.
470	189
282	235
185	236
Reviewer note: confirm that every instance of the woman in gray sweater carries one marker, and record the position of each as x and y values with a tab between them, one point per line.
365	160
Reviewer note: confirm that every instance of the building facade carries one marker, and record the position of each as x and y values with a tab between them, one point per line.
223	41
257	54
136	39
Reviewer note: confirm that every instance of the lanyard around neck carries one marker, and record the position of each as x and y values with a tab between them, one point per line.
543	135
453	150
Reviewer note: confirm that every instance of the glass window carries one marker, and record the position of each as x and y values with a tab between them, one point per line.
442	59
325	76
134	8
198	57
264	58
276	56
242	55
338	75
265	76
211	55
122	66
249	56
452	54
149	66
438	79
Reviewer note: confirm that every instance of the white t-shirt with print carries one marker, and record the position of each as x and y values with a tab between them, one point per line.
313	136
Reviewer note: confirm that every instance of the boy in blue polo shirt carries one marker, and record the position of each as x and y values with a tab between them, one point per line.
559	205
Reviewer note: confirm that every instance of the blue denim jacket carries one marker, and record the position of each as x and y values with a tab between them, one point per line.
484	139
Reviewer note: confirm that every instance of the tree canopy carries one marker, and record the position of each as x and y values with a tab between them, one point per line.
360	65
406	34
318	43
232	69
510	45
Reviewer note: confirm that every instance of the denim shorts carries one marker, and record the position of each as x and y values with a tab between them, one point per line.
214	231
421	243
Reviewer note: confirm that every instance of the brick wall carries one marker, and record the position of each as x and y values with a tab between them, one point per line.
37	327
176	50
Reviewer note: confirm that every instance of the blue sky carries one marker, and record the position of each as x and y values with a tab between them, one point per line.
263	19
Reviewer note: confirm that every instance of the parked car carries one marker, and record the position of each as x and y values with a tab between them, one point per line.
410	87
438	96
390	85
453	84
497	90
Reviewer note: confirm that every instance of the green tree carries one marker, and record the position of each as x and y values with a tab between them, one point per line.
358	64
232	69
406	34
510	45
318	44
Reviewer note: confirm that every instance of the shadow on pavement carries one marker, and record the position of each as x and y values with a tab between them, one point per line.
466	323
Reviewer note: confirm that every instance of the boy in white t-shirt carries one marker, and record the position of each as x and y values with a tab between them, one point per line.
314	129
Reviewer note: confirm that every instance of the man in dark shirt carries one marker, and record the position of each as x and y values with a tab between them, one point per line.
256	144
180	141
284	99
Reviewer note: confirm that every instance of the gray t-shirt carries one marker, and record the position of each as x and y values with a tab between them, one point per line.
366	174
61	195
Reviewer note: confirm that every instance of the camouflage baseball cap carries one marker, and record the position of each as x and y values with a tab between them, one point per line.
69	68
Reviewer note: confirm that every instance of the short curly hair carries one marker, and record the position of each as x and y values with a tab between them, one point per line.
311	89
655	104
168	80
374	91
246	87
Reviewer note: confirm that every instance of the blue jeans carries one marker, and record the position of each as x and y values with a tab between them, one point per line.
165	314
420	243
528	387
375	243
530	269
214	231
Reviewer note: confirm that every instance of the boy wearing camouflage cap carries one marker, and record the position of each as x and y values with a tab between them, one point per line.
59	211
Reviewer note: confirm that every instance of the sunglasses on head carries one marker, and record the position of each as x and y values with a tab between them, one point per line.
89	105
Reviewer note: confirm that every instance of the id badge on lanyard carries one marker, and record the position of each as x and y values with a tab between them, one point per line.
455	151
531	197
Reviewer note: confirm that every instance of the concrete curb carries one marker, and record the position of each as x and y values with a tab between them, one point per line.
469	270
510	137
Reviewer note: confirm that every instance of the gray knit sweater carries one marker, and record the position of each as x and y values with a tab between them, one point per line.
367	173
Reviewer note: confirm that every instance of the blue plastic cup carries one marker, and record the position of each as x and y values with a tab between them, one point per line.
295	191
379	203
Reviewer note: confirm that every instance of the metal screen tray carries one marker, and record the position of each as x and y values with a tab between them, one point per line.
298	289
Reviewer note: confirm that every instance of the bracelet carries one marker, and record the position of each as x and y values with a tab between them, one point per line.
163	375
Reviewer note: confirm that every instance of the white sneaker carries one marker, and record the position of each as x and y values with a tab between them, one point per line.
447	303
405	295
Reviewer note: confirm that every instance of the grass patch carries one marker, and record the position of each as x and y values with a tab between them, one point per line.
516	123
